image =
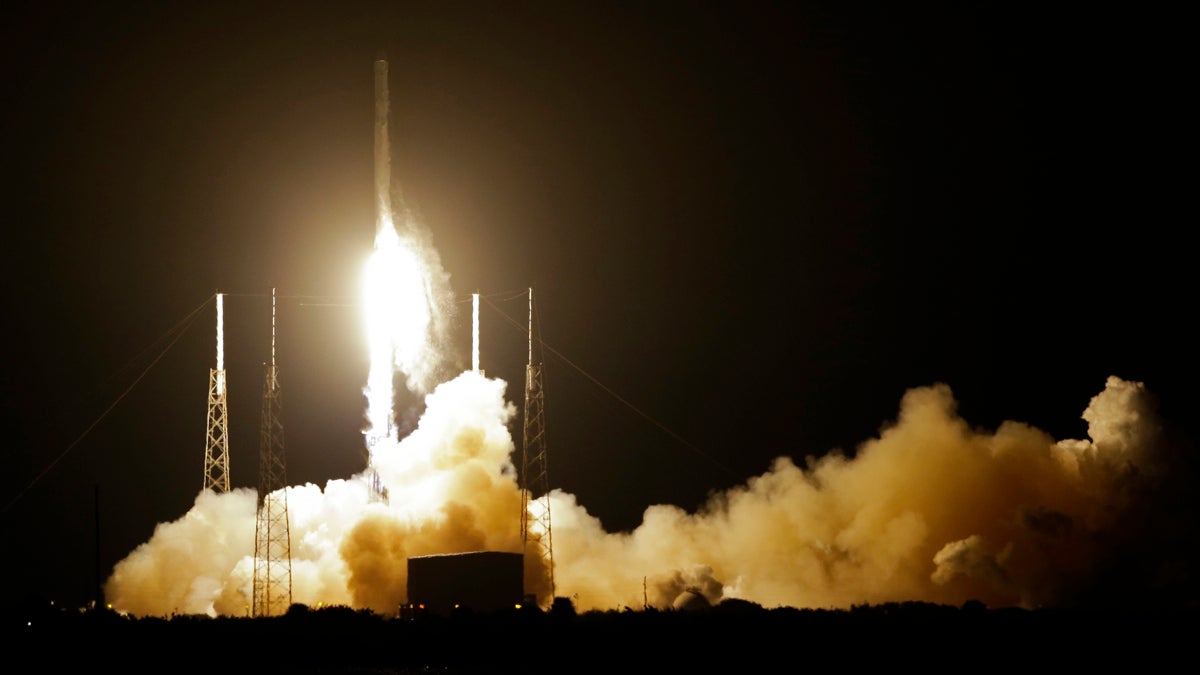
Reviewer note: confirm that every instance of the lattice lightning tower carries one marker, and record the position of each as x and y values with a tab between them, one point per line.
216	455
272	539
535	512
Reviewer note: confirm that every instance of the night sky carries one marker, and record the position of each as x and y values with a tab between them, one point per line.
750	229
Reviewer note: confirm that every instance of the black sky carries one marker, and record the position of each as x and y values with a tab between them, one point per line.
755	224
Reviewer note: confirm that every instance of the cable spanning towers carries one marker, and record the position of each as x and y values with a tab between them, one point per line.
216	455
535	512
272	539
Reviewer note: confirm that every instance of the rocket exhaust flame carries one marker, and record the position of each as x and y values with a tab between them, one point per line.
398	318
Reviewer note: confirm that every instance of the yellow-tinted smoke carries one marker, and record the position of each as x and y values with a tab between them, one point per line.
451	486
930	510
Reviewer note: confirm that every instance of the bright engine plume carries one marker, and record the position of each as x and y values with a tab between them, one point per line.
398	308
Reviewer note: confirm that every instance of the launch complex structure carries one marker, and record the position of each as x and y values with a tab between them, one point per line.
272	594
272	585
272	536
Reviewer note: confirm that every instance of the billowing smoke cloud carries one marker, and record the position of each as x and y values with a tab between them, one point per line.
931	510
451	487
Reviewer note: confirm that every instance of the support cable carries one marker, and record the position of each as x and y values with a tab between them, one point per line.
185	322
610	392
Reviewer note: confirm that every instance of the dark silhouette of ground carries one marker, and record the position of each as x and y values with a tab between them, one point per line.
733	636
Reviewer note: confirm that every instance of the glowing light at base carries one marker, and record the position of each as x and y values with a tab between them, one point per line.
398	310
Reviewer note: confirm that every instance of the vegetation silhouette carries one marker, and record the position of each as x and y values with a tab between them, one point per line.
733	634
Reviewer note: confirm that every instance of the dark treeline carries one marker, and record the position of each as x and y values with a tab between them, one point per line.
733	636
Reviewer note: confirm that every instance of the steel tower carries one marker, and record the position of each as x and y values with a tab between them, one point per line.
272	539
216	455
535	512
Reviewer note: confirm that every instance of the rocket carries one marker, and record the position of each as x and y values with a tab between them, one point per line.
383	179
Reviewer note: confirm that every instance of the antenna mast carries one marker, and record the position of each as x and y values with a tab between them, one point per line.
535	512
272	539
216	455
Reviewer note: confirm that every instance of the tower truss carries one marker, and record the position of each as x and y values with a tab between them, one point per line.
272	539
536	533
216	454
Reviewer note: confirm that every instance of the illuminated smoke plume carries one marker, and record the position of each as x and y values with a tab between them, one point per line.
930	510
451	486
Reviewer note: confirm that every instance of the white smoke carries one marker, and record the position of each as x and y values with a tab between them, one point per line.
451	488
931	509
